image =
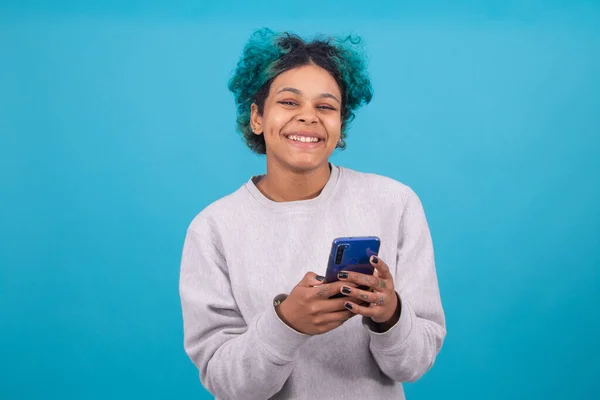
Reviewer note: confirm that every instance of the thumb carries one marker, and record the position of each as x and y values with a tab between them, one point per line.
312	279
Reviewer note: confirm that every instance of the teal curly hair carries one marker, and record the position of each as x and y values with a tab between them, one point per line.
267	54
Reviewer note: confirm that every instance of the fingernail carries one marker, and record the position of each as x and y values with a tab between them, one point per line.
320	278
348	306
342	275
375	260
345	290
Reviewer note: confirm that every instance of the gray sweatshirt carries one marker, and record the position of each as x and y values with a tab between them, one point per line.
244	250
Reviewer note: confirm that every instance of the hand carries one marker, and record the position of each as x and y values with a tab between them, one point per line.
384	307
308	308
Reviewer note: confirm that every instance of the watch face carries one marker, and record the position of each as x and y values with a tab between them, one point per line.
279	299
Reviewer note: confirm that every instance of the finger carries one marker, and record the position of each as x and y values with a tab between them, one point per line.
333	325
329	305
381	267
361	295
311	279
331	317
363	280
366	311
376	275
327	290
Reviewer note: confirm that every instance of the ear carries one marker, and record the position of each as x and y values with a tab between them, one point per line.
255	120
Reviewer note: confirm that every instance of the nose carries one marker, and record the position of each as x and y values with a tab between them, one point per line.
307	115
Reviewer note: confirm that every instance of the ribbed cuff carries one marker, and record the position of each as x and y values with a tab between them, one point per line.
278	337
396	335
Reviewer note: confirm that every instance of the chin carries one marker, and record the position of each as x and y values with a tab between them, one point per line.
305	164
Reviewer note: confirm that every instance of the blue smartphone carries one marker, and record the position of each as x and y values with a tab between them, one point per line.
351	254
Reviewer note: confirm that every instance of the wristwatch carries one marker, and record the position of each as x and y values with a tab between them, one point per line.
279	299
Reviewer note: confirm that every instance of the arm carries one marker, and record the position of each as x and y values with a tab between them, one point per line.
236	359
407	350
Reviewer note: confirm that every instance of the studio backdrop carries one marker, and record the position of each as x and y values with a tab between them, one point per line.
116	129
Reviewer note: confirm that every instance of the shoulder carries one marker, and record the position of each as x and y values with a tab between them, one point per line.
379	185
389	197
210	220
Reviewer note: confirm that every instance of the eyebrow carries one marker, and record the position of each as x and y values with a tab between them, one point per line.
298	92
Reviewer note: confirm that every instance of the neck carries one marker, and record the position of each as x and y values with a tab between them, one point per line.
281	184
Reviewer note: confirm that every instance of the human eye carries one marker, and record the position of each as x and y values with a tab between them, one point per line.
288	102
326	107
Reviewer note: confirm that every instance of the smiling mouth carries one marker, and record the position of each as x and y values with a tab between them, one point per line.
303	139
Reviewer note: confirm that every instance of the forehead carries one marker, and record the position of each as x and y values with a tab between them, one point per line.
311	80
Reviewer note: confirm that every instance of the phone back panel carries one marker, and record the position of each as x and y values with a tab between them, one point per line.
356	256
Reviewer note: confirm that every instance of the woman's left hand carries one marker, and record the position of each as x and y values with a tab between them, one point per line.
383	307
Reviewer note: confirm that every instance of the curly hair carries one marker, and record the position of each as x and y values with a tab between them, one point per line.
267	54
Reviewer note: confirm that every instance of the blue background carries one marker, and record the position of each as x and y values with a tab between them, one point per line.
116	128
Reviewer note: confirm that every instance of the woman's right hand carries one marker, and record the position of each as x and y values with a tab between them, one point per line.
308	308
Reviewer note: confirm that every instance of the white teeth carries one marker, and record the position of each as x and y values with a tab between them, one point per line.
303	139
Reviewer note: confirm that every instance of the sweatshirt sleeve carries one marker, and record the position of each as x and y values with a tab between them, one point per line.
236	358
409	348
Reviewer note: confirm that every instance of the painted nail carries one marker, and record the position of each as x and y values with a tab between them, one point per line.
345	290
348	306
342	275
320	278
375	260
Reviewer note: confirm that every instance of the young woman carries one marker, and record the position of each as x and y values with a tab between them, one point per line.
258	319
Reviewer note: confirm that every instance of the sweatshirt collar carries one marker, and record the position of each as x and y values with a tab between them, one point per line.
297	205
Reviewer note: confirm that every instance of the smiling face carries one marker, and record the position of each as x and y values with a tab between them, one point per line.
301	119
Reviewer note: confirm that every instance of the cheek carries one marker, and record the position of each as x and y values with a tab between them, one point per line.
333	126
275	121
